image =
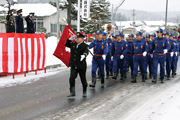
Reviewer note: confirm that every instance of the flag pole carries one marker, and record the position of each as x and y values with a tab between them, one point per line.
78	18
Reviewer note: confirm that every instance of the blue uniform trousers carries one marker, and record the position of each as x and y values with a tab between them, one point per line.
128	60
159	59
108	58
139	60
168	62
97	64
177	58
118	64
173	63
149	63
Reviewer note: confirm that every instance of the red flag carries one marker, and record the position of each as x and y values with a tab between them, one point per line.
60	51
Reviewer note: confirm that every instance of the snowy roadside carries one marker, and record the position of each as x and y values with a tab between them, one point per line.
51	60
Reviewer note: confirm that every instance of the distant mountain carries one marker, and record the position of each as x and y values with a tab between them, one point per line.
35	1
150	16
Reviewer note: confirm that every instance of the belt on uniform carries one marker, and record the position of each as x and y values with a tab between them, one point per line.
138	54
128	54
148	53
118	54
98	54
159	53
168	52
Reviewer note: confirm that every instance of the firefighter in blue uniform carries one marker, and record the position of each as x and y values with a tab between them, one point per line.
169	55
140	49
108	57
118	52
153	36
176	54
19	22
160	47
114	38
128	60
148	61
100	52
30	23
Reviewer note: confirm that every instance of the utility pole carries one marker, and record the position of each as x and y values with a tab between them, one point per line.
166	14
133	21
112	14
78	18
57	5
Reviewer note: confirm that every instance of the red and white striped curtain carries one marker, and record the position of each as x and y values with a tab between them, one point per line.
21	52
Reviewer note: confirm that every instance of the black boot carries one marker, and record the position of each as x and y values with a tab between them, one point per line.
84	91
102	82
132	76
115	76
134	79
72	92
143	78
173	73
162	80
168	76
93	82
122	77
154	79
111	73
150	75
125	75
107	75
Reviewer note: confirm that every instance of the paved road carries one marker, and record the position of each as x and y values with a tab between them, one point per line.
46	99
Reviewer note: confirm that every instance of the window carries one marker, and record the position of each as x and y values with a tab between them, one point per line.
54	28
38	25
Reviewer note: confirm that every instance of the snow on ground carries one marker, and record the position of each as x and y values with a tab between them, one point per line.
51	44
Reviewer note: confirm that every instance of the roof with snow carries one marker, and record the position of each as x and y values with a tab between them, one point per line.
39	9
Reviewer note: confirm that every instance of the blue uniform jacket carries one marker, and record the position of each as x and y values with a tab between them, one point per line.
176	46
140	46
119	47
130	48
150	47
19	24
109	43
159	44
30	25
100	47
172	45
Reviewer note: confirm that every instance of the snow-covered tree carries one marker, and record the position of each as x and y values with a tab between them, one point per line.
8	5
99	14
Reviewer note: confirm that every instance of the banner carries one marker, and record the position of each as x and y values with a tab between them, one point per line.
60	51
21	52
85	8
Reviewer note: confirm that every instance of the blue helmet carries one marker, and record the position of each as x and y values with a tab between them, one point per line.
99	32
154	34
139	33
160	30
148	35
131	35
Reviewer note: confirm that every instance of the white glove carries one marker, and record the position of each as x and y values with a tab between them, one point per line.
165	51
82	57
151	55
104	57
72	37
144	54
122	56
172	53
111	58
176	53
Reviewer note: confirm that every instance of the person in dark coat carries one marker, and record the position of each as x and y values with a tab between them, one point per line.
19	22
30	23
79	52
10	27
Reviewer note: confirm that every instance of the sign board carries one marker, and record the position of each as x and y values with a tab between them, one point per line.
85	8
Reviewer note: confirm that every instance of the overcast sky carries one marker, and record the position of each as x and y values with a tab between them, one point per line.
148	5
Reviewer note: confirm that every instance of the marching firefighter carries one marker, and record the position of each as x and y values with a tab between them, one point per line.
128	60
176	55
160	47
30	23
79	52
149	60
10	27
118	52
100	52
140	50
169	55
153	36
19	22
